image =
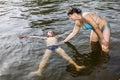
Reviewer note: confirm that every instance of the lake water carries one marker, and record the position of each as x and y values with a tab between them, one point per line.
18	57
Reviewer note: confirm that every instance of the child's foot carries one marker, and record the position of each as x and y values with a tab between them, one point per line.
79	67
36	73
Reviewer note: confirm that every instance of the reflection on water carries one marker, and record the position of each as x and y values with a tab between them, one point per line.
90	60
18	56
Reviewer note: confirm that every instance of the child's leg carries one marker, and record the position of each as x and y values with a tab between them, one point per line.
65	56
43	62
44	59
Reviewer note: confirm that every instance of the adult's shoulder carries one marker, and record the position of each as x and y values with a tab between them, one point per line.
87	13
77	22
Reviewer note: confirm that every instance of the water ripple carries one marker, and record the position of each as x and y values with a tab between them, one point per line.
18	56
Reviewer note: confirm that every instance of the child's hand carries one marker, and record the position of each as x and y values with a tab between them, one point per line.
23	36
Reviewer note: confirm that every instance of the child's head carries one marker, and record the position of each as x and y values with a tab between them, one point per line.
50	34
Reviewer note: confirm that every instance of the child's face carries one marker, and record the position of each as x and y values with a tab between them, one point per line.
50	34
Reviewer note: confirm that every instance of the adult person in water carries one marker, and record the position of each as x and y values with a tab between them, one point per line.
100	28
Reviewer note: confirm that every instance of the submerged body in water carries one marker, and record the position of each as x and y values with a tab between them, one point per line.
51	42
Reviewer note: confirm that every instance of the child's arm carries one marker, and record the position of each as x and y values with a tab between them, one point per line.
67	32
25	36
41	37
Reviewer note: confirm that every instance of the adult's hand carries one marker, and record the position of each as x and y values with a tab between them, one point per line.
105	47
104	42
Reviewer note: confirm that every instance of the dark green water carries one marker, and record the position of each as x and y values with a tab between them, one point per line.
18	57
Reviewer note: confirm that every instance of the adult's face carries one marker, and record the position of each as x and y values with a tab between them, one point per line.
74	16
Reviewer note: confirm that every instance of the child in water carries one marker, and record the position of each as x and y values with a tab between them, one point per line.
52	45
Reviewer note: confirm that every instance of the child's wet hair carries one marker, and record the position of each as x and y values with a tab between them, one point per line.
51	32
72	10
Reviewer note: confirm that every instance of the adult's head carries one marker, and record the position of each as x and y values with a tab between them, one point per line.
74	13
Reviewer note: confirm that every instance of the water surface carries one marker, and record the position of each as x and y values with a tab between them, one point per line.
18	57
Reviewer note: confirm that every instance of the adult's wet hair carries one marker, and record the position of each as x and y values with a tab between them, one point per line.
74	10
